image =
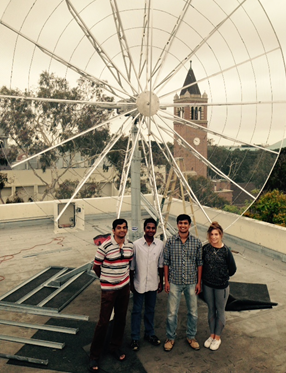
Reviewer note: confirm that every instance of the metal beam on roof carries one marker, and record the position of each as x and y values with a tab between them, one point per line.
56	292
41	286
22	308
35	342
23	283
61	279
24	358
50	328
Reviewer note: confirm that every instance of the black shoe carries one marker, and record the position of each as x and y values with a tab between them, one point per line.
134	345
152	339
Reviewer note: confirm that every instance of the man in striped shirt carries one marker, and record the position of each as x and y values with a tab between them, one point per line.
112	264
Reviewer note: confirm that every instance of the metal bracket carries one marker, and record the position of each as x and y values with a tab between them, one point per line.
61	279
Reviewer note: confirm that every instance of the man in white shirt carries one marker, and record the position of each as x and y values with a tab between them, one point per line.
147	261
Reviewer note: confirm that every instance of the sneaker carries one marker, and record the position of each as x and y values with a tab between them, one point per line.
193	343
208	342
215	344
134	345
169	344
155	341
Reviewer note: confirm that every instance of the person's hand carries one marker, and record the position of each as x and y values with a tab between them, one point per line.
167	287
160	287
198	289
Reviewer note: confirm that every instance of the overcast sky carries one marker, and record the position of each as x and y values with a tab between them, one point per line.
255	29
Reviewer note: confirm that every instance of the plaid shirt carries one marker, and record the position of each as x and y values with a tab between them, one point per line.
183	259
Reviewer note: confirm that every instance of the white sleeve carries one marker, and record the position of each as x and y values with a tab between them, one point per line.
133	261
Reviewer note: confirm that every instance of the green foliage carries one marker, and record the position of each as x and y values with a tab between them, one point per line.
158	157
33	126
255	192
235	209
277	178
241	165
15	199
116	158
67	188
91	190
270	207
203	189
3	181
143	187
117	155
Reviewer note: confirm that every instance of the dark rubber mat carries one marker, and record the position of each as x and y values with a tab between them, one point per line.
73	357
244	296
58	301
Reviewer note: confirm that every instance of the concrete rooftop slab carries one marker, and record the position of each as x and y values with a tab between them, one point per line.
253	341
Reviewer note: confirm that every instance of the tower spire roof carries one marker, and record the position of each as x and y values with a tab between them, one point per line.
190	78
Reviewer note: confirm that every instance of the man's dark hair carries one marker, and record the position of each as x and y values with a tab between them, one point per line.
149	220
184	217
119	222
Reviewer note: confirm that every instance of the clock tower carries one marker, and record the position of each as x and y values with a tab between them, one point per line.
185	125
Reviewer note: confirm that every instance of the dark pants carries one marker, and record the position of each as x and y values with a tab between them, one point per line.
150	302
117	299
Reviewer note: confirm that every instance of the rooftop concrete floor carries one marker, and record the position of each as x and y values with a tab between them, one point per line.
252	341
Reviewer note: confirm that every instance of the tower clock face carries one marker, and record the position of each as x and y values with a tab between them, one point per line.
197	141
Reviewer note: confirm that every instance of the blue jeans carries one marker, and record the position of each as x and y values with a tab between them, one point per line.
150	302
174	299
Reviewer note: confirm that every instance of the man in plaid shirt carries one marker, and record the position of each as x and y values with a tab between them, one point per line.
183	271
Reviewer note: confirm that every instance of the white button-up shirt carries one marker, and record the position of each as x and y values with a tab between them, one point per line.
146	261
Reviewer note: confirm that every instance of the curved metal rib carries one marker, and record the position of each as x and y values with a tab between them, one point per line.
125	51
115	71
113	90
194	51
103	154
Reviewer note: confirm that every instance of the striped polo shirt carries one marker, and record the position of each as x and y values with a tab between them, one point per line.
115	263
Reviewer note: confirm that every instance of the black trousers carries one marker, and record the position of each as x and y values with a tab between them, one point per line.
117	299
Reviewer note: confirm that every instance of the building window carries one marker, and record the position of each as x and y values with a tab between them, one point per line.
181	112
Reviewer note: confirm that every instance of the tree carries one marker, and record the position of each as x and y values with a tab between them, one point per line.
3	181
89	190
15	199
116	158
34	126
203	189
241	165
66	189
277	178
270	207
158	157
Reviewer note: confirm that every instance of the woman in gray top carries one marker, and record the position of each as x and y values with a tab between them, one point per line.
218	265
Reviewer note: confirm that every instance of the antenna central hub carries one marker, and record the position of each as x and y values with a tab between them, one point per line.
147	103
